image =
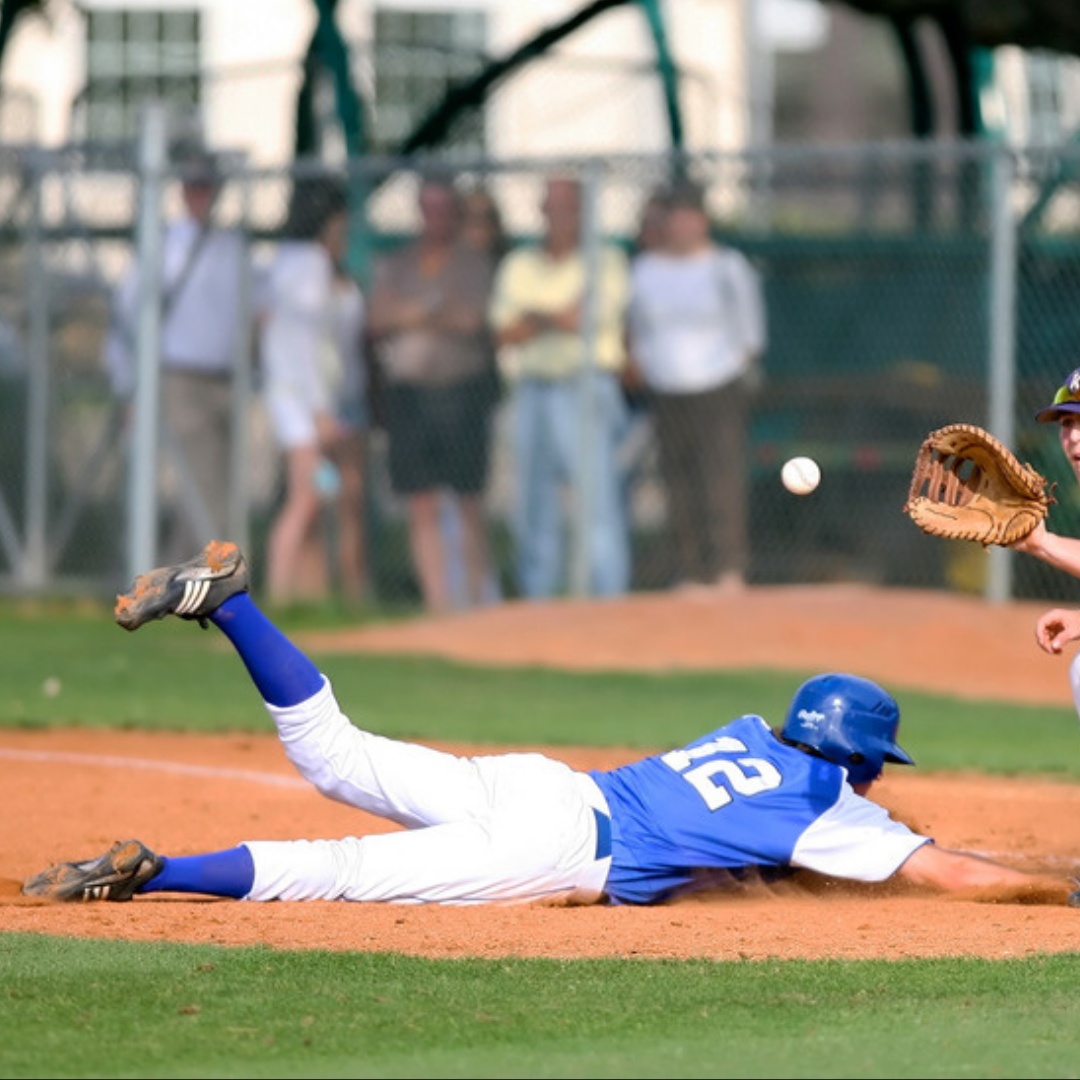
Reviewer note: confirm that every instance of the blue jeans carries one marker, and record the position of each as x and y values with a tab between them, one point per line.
566	434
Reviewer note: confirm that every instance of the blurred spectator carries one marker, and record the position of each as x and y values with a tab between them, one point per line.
314	380
482	224
428	323
481	229
637	437
568	406
203	324
650	235
696	329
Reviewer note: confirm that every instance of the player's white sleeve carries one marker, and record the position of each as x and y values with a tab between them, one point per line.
855	838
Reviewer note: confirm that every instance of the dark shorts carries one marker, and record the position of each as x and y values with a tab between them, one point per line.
439	436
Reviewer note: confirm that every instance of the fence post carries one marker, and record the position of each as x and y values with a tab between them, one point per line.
1001	328
588	420
243	390
32	564
143	464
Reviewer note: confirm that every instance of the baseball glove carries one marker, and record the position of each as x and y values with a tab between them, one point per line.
967	485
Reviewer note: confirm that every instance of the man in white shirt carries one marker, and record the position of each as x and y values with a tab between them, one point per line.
203	317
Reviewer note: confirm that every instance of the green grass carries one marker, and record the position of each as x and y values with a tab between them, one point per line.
101	1009
115	1009
174	676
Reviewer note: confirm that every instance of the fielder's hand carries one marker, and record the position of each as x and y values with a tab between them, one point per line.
1057	628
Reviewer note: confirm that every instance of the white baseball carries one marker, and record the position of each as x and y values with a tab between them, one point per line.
801	475
51	686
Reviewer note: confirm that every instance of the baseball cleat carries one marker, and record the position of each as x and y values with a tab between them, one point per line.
116	875
192	590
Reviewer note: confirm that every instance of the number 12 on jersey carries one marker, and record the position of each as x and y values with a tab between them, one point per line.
715	778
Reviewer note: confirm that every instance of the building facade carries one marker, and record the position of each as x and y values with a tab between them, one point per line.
237	67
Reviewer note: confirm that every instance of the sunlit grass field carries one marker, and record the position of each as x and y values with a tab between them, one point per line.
115	1009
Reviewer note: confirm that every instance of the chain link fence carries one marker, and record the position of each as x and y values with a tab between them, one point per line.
906	286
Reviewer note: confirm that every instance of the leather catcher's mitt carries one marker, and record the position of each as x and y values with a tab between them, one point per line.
967	485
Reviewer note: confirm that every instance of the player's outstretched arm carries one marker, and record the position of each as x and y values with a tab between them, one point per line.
1056	628
1061	552
939	868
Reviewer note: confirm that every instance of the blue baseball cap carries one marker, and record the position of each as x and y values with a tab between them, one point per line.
1066	401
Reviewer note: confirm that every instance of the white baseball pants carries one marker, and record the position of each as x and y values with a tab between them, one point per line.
509	828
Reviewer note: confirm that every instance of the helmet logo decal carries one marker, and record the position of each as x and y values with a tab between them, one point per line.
811	716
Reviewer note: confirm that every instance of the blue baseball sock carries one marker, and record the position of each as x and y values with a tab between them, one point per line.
281	672
222	873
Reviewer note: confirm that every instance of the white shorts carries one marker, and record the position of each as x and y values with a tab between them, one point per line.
508	828
291	421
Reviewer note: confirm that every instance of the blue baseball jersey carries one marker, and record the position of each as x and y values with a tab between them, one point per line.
735	799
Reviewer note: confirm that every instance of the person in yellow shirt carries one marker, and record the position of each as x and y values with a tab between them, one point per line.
562	358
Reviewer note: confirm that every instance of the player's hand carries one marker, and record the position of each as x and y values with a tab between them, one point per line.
1034	542
1057	628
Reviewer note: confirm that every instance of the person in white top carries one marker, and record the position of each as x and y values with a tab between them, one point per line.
316	394
204	322
696	332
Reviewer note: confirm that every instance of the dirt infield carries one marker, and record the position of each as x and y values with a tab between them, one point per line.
190	793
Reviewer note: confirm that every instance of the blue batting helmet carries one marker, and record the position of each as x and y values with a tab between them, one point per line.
847	720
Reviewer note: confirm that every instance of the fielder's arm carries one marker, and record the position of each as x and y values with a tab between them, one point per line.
1061	552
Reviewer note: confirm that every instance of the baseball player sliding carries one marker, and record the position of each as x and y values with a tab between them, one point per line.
522	827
